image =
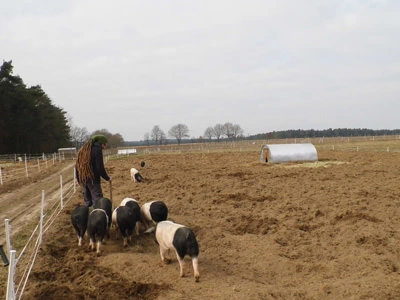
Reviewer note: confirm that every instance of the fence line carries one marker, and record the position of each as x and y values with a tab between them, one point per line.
64	196
360	144
8	173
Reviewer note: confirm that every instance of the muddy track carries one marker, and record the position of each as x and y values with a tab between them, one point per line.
22	205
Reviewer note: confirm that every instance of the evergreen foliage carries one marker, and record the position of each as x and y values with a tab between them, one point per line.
29	122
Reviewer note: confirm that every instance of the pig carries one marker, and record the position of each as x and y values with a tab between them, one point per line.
170	235
106	205
153	212
135	175
132	203
97	228
125	223
79	220
126	200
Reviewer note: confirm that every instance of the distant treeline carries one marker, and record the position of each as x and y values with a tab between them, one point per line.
311	133
284	134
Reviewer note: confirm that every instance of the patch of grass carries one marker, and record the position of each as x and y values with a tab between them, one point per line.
6	165
20	239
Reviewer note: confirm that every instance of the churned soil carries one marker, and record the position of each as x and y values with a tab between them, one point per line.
322	230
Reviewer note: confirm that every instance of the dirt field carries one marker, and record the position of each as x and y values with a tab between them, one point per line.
325	230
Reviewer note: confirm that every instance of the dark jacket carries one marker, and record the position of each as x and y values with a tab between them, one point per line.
97	163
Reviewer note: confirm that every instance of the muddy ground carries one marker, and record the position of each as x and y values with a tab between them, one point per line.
325	230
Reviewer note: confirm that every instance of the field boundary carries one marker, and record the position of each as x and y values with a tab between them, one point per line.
50	208
367	144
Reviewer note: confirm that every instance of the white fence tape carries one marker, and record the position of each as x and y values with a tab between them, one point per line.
67	190
29	168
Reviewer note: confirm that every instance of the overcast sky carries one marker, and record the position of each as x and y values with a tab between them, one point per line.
265	65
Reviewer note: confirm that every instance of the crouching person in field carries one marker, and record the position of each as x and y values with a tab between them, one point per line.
97	228
170	235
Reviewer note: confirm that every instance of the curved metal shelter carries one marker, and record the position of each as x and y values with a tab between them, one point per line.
277	153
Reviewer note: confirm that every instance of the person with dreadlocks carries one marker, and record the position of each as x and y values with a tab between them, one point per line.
89	169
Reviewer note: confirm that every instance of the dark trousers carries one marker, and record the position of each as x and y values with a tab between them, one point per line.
92	193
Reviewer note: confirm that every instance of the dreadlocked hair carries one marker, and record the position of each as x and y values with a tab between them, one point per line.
83	165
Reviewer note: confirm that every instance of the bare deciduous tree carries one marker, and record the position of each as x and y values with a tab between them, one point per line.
78	135
179	132
157	134
218	131
237	131
147	138
114	140
228	130
232	131
209	133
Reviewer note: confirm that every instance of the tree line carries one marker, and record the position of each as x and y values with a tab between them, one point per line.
79	136
180	132
30	123
231	132
312	133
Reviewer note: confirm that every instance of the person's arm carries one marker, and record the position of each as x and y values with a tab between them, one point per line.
100	165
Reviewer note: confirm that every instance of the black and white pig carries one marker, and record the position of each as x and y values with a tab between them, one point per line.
106	205
79	220
125	223
153	212
97	228
135	175
132	203
170	235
